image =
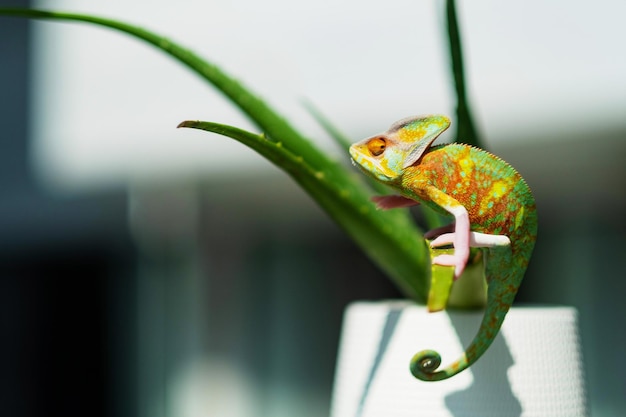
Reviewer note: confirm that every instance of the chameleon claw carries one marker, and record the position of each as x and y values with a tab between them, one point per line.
442	240
456	260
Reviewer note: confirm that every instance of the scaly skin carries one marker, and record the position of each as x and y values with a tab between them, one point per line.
491	203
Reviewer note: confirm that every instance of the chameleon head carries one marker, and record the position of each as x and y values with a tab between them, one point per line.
386	156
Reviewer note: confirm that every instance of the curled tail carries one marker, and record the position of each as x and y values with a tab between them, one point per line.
502	288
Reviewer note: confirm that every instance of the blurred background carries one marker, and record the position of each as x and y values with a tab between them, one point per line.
146	271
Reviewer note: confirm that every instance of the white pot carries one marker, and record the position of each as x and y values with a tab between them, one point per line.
533	367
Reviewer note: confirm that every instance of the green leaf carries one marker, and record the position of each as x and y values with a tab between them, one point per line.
389	238
260	113
441	281
465	128
342	140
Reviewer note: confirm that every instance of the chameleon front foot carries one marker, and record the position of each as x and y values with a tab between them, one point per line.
387	202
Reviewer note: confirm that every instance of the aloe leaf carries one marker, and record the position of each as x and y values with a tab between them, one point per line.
387	237
262	115
346	200
441	281
465	128
342	140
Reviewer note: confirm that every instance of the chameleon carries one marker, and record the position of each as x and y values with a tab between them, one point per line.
492	206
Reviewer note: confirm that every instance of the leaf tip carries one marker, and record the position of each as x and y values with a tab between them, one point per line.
187	123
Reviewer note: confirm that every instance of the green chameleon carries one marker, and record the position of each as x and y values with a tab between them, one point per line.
492	206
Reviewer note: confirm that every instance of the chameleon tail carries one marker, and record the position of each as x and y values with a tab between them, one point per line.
500	294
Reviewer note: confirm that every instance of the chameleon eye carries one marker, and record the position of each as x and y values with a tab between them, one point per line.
377	146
